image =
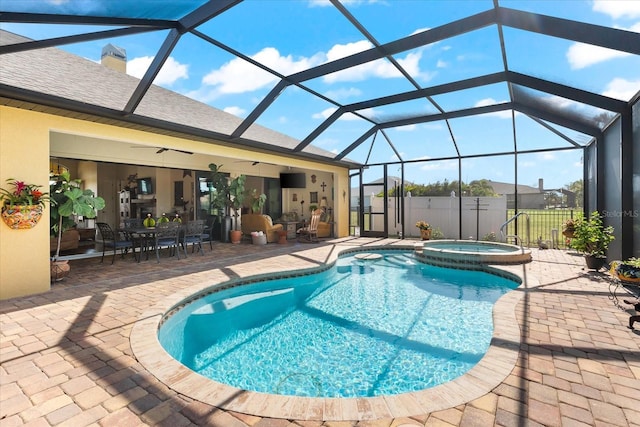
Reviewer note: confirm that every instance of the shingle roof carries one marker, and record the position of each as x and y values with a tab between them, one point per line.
61	74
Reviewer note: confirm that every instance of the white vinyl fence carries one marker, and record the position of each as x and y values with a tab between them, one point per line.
443	213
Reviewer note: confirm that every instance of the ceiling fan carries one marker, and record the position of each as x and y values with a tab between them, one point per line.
162	149
253	163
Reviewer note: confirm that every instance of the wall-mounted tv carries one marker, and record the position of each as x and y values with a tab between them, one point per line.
145	186
293	180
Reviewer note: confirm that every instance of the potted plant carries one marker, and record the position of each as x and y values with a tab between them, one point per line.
592	238
67	200
425	229
257	201
235	202
22	204
568	228
627	271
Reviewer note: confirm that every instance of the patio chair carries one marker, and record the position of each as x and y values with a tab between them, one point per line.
114	241
139	240
310	232
193	232
207	233
132	222
167	234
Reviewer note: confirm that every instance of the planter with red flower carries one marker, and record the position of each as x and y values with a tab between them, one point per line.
22	204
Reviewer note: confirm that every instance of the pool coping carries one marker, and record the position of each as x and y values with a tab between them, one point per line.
487	374
432	252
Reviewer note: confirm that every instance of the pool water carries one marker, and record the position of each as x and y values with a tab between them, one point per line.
359	329
472	247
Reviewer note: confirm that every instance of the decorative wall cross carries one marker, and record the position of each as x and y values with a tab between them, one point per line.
323	185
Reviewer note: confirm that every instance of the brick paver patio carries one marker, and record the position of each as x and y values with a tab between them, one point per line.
66	358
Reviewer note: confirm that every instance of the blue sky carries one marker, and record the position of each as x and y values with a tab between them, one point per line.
294	35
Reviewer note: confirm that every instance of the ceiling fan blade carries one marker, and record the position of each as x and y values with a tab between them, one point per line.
163	149
255	162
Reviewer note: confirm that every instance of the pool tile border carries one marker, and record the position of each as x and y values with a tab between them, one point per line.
492	369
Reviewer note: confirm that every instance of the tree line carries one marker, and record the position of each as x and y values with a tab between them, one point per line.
480	187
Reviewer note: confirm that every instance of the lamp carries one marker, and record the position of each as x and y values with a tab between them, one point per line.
323	203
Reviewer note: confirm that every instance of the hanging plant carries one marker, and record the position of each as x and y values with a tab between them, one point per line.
22	204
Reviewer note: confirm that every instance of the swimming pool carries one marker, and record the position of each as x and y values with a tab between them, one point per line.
359	329
486	375
462	253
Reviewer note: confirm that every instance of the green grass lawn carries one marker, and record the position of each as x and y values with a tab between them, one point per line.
541	222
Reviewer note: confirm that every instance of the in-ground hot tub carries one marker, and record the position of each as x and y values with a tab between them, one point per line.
471	252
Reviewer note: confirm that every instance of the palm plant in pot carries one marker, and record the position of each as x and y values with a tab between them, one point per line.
67	200
592	238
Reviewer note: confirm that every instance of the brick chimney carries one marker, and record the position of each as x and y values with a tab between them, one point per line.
541	185
114	57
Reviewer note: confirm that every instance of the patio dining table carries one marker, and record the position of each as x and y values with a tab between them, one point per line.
144	236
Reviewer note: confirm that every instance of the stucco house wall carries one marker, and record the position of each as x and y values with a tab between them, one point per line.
28	138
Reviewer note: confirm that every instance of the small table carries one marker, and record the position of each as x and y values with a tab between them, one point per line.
87	233
291	227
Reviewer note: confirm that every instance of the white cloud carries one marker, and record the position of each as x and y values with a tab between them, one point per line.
236	111
505	114
340	51
380	68
582	55
486	101
441	64
407	128
622	89
324	114
547	156
440	165
239	76
170	72
433	125
343	93
618	9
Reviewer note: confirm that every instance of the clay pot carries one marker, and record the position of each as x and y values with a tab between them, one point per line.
59	270
425	234
235	236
